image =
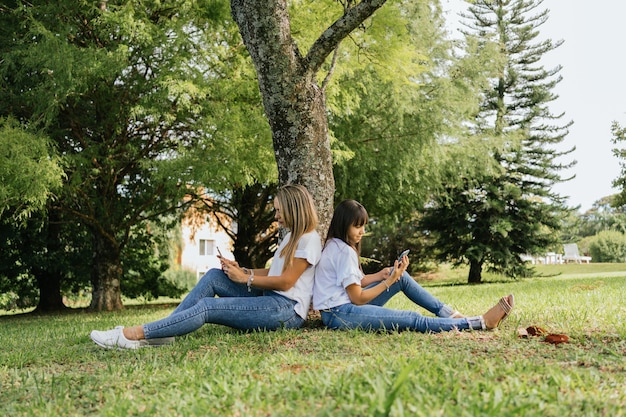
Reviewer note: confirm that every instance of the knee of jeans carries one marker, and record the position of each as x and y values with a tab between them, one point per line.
211	273
403	279
209	276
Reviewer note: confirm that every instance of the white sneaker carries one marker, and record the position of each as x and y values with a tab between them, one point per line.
113	338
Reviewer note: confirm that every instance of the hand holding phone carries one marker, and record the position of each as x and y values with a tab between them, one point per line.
402	255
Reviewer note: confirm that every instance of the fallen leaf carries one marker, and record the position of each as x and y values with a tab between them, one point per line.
536	331
556	339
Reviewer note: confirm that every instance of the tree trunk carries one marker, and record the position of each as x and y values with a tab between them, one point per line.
50	298
475	272
294	104
49	278
302	148
106	275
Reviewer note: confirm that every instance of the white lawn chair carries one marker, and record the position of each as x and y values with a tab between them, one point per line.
572	255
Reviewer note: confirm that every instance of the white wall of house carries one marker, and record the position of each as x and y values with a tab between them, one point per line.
199	248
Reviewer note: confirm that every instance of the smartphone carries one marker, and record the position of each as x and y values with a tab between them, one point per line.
221	257
402	255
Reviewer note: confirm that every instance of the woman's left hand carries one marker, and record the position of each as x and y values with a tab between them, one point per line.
384	273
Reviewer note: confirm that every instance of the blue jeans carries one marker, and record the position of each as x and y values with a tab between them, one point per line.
216	299
415	293
373	316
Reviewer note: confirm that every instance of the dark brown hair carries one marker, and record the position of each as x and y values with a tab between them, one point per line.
347	213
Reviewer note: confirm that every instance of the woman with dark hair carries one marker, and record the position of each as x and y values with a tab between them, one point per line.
349	299
264	299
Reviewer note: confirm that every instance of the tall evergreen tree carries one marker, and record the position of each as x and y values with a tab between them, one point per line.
511	210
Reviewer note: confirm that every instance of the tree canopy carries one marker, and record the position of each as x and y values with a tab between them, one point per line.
133	95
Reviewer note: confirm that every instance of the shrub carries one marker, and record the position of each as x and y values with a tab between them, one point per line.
608	246
181	278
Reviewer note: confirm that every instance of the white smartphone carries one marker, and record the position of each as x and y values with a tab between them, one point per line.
402	255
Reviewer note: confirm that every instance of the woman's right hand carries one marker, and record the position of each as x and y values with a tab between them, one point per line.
399	268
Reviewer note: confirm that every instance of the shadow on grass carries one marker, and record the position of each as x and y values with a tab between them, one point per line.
8	315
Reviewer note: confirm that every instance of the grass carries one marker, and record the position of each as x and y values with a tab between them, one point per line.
49	367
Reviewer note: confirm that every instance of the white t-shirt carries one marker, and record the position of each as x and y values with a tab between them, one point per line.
309	248
338	269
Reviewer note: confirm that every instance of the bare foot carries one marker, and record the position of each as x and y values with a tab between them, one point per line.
457	315
499	312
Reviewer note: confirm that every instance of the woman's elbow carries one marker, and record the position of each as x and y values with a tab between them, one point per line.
358	302
285	286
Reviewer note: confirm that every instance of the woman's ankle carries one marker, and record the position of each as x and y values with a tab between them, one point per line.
133	333
476	322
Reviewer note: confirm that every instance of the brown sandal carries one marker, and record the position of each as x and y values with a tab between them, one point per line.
505	305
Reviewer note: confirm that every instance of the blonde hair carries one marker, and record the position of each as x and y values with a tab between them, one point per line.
299	215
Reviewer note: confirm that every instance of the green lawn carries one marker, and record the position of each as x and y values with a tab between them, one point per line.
50	367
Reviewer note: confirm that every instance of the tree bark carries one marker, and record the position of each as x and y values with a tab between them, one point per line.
294	103
106	276
475	272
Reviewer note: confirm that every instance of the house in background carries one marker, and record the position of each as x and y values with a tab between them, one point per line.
201	238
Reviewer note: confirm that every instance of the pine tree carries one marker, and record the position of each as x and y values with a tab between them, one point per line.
493	218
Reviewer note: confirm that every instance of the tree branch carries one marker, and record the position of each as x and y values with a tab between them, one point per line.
330	39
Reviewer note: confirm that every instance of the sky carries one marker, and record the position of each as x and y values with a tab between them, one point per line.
592	93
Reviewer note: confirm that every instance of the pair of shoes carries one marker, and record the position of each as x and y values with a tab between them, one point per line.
114	339
501	311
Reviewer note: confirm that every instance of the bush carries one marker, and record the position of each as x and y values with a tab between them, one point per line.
608	246
8	301
181	278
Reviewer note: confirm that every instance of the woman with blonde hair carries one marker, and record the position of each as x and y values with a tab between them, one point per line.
242	298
